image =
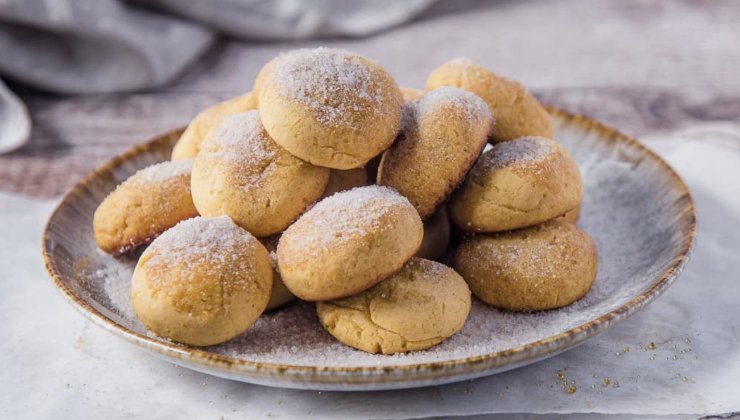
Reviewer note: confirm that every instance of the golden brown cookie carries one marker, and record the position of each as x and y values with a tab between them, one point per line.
414	309
342	180
240	172
442	135
208	119
149	202
436	235
411	94
202	282
280	295
330	107
517	183
517	112
348	242
545	266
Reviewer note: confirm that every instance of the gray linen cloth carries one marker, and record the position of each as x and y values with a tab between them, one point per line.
98	46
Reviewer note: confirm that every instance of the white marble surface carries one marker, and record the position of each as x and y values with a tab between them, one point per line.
57	365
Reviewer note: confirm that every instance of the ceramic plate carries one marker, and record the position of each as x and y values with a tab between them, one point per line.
636	208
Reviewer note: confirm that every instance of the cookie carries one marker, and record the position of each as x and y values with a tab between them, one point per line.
546	266
442	135
202	282
436	236
517	183
330	107
189	143
517	112
416	308
240	172
149	202
348	242
342	180
280	295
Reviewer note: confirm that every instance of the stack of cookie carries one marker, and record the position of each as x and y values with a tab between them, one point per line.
329	183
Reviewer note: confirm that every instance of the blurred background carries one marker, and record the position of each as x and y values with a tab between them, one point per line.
88	78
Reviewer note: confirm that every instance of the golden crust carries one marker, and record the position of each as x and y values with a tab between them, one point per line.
516	184
202	282
517	112
242	173
436	236
143	207
348	242
541	267
442	136
341	126
208	119
414	309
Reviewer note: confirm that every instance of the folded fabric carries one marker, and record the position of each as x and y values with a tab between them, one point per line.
97	46
294	19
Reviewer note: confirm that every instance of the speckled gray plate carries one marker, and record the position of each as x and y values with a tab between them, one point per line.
636	208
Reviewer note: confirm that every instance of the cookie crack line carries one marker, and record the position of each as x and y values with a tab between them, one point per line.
370	319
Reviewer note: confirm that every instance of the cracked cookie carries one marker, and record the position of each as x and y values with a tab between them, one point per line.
189	143
547	266
517	183
348	242
242	173
441	136
330	107
149	202
202	282
517	112
416	308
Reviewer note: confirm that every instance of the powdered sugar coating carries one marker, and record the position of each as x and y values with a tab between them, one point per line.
242	141
164	171
346	216
474	110
202	241
331	82
520	152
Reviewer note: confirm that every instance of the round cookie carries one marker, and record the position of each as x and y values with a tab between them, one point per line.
149	202
545	266
442	135
280	295
517	112
517	183
208	119
436	236
202	282
240	172
416	308
348	242
342	180
330	107
411	94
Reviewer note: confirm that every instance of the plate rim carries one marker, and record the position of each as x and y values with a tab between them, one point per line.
369	374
